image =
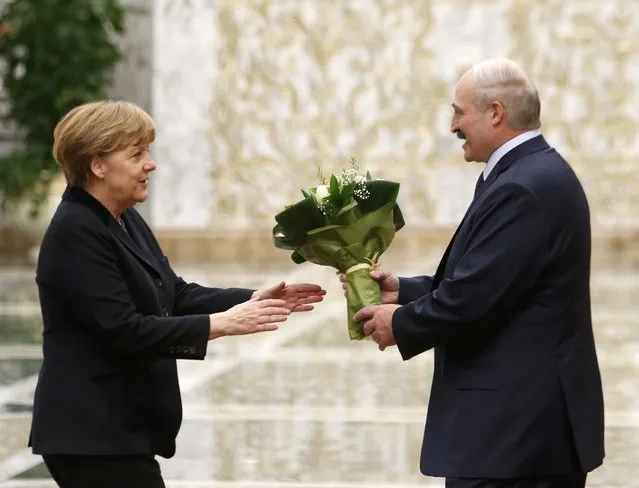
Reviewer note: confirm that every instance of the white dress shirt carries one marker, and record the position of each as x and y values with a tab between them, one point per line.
511	144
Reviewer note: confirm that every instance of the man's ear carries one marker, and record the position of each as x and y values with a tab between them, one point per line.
497	114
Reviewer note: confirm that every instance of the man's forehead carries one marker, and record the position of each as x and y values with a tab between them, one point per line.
464	88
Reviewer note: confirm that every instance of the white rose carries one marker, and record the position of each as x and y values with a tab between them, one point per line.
322	193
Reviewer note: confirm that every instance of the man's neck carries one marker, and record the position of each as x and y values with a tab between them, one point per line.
508	144
507	136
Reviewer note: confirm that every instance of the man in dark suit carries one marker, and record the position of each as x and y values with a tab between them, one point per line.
516	398
116	316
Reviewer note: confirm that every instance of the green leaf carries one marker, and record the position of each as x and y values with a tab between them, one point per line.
347	192
333	189
334	186
298	258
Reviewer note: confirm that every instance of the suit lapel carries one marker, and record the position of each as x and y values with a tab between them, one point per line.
533	145
80	196
128	241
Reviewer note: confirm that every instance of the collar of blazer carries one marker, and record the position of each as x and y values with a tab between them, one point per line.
83	198
531	146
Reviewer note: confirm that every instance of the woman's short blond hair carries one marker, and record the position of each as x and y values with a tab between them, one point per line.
96	129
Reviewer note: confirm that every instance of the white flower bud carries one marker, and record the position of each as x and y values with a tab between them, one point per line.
322	193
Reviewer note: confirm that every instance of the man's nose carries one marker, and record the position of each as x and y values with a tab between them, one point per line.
453	125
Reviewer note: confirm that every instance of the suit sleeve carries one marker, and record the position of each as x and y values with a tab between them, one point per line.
191	298
411	289
501	263
86	275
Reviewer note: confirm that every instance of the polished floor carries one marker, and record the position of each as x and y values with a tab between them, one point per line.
304	407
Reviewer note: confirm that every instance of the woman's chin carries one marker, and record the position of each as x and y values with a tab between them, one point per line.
142	196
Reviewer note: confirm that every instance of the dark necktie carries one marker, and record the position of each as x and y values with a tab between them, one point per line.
478	185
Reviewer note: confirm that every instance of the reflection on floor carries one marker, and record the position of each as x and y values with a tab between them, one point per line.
304	406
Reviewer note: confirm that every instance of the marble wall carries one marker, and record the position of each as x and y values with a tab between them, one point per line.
251	96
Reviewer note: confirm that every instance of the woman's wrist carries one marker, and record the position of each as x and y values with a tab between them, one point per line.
216	327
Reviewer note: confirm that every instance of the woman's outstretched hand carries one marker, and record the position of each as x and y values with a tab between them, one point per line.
298	297
248	318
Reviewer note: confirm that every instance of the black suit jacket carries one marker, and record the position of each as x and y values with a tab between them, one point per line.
516	385
116	318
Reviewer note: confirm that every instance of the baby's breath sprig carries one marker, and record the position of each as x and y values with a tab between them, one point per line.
362	192
327	209
352	177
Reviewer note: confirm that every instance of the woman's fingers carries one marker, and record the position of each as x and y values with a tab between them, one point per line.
303	308
272	318
266	312
270	302
311	299
265	327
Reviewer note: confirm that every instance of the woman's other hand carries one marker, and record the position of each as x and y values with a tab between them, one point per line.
298	296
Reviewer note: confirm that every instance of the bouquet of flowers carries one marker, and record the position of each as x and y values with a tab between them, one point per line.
346	222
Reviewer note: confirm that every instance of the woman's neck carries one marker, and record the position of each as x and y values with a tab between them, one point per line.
115	209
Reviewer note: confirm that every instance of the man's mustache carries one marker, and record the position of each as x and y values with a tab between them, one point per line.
460	135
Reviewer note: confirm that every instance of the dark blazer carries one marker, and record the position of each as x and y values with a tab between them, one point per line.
116	318
516	385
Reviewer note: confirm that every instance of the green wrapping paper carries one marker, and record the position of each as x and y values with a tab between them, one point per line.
351	241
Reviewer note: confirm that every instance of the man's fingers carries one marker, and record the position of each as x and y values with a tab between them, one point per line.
364	314
369	328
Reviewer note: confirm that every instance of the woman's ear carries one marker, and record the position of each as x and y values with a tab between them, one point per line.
98	167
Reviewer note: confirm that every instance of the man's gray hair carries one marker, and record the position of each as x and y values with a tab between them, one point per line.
502	80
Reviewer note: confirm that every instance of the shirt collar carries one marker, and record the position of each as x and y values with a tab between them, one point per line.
509	145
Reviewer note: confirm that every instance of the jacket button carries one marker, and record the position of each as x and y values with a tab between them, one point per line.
158	282
165	312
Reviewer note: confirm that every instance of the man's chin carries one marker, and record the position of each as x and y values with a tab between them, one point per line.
469	157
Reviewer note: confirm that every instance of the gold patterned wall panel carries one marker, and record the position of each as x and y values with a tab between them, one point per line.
308	83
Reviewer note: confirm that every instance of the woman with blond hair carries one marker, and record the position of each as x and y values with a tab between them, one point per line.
116	316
